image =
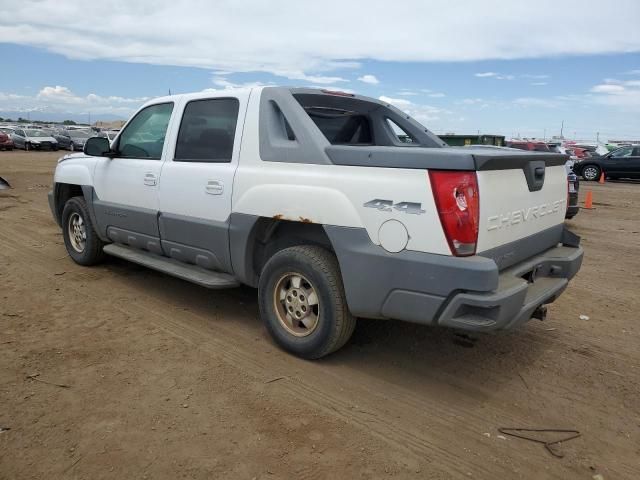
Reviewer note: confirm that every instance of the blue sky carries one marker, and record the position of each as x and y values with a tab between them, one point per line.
459	72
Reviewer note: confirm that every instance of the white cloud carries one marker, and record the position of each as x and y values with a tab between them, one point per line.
607	88
622	95
398	102
305	40
407	93
436	95
59	99
535	76
425	114
497	76
298	75
227	84
371	79
539	84
486	74
470	101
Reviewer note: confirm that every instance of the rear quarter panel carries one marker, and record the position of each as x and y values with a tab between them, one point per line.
331	194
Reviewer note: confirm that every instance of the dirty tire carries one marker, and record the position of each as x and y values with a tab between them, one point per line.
92	252
335	324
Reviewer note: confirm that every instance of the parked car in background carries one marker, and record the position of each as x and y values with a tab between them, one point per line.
5	141
110	134
33	139
578	153
72	139
530	146
594	149
623	162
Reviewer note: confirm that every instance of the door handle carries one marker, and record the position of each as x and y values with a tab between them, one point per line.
214	187
150	179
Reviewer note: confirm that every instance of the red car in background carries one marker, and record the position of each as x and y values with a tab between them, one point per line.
578	152
531	146
5	142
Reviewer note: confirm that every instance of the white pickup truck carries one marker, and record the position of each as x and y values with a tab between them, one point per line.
335	206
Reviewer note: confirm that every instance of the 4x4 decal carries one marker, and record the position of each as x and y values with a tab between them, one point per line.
388	205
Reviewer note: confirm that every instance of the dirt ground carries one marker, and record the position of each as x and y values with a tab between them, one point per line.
168	380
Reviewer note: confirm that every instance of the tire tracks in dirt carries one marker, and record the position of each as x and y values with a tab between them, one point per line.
400	436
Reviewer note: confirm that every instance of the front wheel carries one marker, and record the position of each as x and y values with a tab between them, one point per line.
591	173
80	238
302	302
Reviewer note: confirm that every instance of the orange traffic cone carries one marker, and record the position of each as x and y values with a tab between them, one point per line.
588	201
601	181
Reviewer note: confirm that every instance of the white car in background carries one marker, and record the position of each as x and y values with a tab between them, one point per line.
33	139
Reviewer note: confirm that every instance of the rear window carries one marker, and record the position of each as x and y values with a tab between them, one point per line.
342	127
345	119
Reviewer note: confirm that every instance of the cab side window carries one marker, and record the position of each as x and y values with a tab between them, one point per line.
144	136
207	131
622	152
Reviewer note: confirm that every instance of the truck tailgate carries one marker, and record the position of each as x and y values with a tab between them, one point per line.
520	202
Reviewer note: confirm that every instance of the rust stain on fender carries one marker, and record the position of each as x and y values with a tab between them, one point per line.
279	216
305	220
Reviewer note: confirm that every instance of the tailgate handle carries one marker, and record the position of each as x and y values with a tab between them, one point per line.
534	172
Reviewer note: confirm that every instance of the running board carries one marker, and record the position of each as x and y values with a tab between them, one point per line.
191	273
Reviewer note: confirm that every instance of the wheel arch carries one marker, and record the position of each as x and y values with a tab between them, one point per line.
62	192
254	240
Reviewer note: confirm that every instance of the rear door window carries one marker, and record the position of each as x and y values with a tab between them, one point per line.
622	152
207	130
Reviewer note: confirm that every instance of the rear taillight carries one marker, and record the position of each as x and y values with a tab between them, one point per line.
458	204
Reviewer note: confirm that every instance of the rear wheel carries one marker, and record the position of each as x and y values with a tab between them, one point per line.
302	301
80	238
591	172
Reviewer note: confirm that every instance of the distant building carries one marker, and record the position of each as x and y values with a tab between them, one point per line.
460	140
113	125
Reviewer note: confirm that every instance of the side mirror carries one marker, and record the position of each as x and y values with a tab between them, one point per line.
97	147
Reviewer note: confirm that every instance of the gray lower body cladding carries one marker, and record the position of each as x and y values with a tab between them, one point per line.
467	293
52	205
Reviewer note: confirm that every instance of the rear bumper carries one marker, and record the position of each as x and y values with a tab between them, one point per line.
469	293
521	290
572	211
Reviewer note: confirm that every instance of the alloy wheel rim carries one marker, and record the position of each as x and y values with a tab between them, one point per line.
77	232
590	173
296	304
